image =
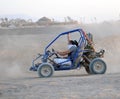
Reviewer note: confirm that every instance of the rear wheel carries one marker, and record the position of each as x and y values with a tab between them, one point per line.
97	66
45	70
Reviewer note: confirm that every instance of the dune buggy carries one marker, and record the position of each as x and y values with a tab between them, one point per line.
85	56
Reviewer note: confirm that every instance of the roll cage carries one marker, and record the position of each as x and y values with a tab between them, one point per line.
81	42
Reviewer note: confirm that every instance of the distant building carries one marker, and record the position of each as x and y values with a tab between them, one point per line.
44	21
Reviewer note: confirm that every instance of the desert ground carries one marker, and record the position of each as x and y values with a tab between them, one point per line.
18	47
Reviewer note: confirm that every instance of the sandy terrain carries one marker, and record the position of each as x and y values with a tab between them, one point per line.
68	86
19	46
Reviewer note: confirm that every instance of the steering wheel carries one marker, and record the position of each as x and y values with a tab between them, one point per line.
55	53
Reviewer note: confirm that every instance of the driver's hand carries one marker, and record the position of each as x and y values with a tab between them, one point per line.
57	52
60	53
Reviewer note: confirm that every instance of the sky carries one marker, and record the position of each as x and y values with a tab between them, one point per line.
82	10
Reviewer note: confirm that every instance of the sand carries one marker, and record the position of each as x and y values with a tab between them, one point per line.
19	46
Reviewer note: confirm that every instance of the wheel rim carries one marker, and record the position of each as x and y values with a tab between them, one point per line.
45	71
98	66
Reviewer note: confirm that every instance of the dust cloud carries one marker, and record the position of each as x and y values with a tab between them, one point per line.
19	46
107	37
112	56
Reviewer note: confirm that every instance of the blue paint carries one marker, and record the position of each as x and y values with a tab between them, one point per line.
45	56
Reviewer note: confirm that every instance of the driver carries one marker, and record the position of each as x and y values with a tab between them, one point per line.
71	49
72	46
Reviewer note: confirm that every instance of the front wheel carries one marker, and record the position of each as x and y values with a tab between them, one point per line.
97	66
45	70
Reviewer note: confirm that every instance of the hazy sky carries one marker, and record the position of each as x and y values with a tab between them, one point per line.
79	9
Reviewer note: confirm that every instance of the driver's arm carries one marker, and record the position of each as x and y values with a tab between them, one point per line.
64	53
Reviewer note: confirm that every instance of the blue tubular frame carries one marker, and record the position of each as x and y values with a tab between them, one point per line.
80	42
64	33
